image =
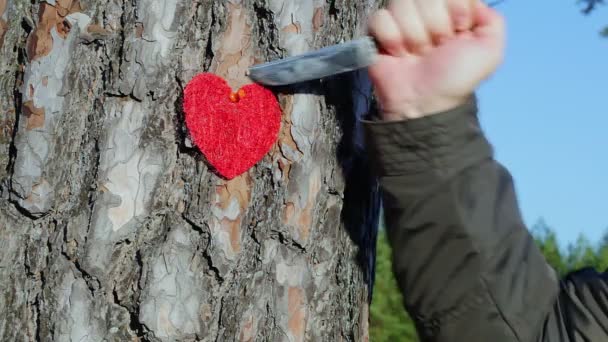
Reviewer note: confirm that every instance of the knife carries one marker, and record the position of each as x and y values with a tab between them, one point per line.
328	61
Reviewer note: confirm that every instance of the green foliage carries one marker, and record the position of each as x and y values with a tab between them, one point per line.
546	240
389	322
581	254
577	255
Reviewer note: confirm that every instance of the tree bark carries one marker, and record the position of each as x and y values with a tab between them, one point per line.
112	226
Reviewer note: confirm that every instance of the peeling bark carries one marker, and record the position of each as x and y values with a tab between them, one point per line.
3	23
112	227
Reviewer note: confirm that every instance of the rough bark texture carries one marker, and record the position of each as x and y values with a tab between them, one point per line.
113	228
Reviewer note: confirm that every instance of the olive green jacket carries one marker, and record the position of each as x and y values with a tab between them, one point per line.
467	266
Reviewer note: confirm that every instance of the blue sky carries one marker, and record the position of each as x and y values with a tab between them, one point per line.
546	113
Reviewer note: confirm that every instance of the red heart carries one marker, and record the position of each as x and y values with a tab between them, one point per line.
233	130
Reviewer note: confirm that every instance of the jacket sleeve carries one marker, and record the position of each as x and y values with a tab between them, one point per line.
581	311
467	266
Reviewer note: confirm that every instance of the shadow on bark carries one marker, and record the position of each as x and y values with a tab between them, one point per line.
360	214
349	94
362	201
184	143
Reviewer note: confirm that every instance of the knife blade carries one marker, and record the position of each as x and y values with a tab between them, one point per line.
328	61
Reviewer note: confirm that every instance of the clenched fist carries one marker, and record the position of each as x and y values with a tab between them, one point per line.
434	53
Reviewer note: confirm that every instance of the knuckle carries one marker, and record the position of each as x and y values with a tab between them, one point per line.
460	14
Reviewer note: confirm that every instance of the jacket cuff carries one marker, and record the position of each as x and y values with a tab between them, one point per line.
442	143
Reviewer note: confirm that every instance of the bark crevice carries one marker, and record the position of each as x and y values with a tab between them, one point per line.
139	328
209	54
12	148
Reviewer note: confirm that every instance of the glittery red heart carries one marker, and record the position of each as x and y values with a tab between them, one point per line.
233	130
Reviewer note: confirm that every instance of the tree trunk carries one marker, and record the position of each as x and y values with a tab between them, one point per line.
113	227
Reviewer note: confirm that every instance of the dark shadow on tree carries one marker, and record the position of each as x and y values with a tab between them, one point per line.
361	204
349	94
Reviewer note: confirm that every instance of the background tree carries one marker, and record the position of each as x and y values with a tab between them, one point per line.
547	242
389	321
113	228
574	256
591	5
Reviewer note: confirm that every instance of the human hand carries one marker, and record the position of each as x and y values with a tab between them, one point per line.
434	54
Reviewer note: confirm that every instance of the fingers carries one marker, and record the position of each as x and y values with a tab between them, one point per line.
412	27
385	29
436	18
461	13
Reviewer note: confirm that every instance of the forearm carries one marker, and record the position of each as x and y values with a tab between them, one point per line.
463	259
